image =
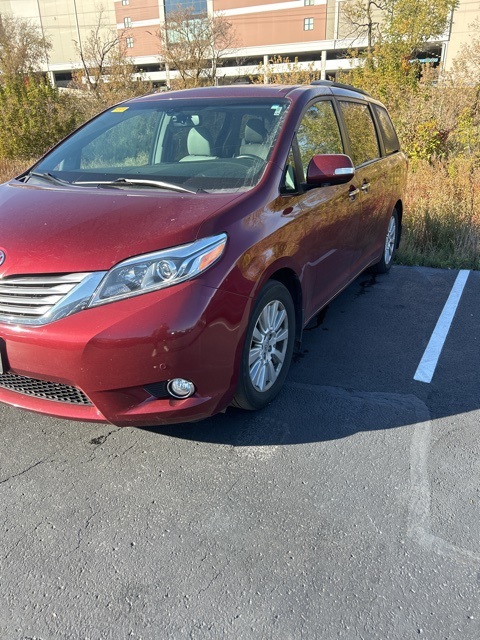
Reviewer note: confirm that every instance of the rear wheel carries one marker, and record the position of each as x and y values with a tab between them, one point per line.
268	348
390	247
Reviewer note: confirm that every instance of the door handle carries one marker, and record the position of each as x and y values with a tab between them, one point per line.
365	186
353	192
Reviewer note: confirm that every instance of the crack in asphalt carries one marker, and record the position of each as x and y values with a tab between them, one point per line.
21	473
102	439
213	579
18	542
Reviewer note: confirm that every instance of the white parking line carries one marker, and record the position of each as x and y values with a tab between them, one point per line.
428	363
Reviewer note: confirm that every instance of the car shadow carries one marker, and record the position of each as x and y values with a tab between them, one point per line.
303	414
340	383
356	369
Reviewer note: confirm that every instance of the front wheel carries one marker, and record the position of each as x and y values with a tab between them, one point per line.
391	242
268	348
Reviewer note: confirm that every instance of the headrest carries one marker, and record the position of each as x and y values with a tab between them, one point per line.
255	132
199	142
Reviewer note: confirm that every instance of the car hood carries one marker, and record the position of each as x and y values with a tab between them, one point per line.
63	229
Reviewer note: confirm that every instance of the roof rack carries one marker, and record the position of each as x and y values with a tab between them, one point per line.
339	85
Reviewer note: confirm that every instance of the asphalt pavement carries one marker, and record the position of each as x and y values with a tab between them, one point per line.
348	508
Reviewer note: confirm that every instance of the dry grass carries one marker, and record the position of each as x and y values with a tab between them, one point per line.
442	216
11	168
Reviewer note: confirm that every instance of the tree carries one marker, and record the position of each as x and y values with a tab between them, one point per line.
463	83
388	68
363	19
280	70
194	45
107	74
416	23
23	49
408	24
466	66
33	116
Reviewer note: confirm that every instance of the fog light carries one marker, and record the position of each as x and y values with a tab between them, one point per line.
180	388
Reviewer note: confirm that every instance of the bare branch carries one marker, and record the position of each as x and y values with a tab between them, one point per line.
195	44
23	49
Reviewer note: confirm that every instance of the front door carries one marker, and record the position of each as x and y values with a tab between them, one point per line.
330	213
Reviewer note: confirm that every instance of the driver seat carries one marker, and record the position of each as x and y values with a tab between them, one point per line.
199	145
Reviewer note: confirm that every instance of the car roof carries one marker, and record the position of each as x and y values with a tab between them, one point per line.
272	91
230	91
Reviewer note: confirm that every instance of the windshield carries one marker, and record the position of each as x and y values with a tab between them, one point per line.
209	145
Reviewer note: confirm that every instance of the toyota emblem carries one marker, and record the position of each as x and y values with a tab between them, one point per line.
2	257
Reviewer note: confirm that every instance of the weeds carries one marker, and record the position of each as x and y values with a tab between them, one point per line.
11	168
441	225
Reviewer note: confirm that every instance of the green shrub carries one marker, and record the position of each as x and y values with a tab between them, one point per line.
33	116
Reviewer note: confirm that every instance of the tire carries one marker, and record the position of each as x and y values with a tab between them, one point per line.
390	247
268	348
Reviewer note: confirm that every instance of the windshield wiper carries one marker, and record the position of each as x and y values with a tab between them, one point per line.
140	182
49	178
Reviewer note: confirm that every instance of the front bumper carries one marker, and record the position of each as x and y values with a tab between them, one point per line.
118	355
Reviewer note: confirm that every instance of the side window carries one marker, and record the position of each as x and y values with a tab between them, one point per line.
318	133
361	132
389	135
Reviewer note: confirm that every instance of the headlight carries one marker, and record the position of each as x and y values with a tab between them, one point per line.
158	270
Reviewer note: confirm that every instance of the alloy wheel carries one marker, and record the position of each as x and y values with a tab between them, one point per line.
268	346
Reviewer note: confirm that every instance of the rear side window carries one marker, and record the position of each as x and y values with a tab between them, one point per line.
390	139
361	132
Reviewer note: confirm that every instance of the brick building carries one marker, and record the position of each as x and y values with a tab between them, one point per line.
311	31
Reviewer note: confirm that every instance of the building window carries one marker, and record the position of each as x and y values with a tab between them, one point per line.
308	3
129	42
308	24
125	2
127	22
195	6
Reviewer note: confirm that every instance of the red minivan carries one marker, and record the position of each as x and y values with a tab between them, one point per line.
161	262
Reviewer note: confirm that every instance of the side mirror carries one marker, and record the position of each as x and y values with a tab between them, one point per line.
329	169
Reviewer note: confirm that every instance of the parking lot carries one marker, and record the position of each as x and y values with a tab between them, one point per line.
349	508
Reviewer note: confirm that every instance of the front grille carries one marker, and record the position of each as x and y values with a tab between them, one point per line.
26	297
42	389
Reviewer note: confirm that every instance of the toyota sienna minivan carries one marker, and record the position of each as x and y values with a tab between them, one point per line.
161	262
